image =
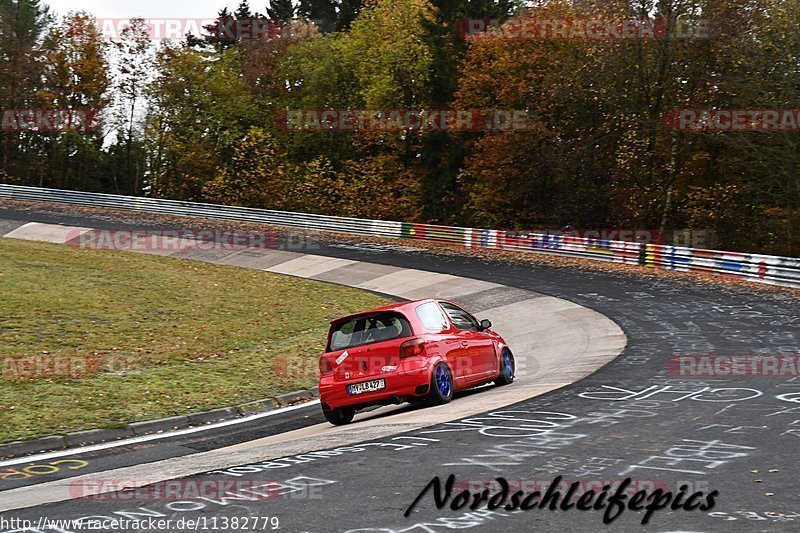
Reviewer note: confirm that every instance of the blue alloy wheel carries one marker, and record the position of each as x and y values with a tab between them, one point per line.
441	389
506	374
443	380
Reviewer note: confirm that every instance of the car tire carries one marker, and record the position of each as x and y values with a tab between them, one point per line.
340	415
507	368
442	386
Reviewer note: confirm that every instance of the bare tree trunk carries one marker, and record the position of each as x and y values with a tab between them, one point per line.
672	175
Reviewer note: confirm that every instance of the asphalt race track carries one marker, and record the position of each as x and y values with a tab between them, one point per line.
631	419
566	343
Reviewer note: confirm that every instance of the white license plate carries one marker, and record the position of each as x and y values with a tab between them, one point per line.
367	386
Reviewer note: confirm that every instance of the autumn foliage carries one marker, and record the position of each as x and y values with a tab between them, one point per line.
196	120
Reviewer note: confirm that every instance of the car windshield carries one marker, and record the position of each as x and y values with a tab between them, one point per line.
367	330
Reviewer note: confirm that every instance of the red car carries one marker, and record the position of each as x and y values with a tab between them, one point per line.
426	349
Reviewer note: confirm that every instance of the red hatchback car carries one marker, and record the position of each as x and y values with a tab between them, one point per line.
426	349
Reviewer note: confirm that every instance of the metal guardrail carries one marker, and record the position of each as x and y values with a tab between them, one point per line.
774	270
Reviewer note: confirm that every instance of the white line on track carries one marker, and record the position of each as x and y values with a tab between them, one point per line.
147	438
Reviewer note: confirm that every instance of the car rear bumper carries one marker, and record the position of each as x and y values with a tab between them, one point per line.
400	386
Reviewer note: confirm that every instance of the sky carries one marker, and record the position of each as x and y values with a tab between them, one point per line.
155	9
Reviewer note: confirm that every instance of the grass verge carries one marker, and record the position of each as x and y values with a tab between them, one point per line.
94	339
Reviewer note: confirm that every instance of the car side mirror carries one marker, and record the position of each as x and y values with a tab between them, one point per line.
486	324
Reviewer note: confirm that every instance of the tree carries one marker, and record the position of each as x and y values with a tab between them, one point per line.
387	51
75	78
201	108
442	154
75	64
243	11
311	74
281	10
22	23
746	186
320	12
348	11
513	179
134	63
216	34
260	58
381	187
256	176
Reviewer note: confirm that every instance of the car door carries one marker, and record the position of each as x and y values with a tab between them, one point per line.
479	346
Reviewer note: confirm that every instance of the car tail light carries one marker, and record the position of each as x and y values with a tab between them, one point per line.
412	348
325	365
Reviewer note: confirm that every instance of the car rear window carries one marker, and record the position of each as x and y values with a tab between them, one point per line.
368	330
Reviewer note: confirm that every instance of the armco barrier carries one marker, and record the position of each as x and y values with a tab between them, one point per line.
774	270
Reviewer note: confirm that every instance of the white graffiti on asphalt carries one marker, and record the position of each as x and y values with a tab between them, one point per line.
702	394
506	424
285	462
691	455
464	521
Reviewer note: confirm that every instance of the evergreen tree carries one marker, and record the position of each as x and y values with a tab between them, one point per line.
348	11
243	11
281	10
321	12
22	23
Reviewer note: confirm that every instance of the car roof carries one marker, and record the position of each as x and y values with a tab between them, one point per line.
397	306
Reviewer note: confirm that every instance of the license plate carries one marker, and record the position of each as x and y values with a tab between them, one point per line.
367	386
